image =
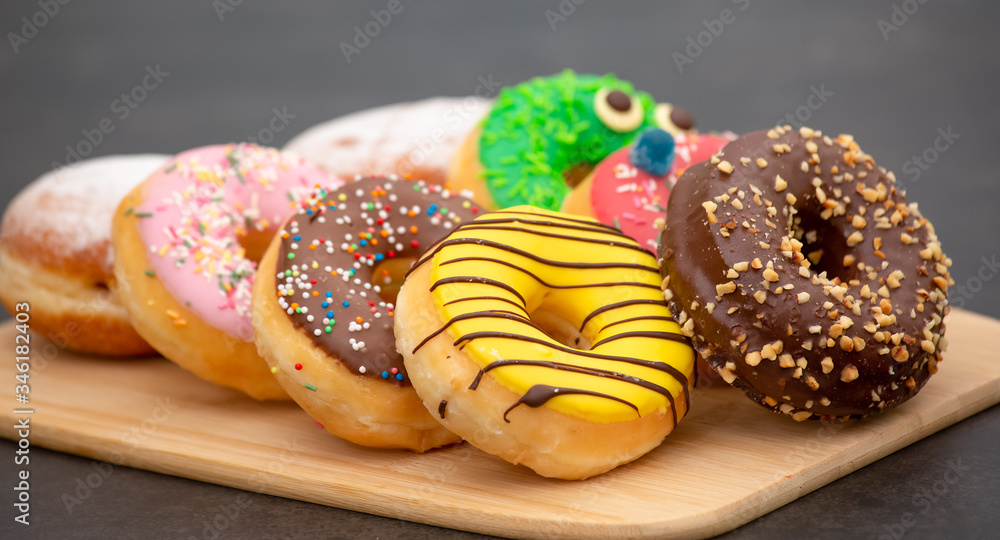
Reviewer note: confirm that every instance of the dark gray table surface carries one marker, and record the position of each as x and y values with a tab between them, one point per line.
895	74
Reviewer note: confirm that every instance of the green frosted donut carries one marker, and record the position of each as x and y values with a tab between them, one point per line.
546	133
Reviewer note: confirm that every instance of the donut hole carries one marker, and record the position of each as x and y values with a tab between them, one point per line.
575	174
825	245
388	275
559	329
101	286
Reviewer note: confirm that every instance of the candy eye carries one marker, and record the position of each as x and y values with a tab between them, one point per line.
618	110
674	120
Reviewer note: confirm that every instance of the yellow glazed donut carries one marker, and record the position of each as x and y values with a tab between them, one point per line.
543	339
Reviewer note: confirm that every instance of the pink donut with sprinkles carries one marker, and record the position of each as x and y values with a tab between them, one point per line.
324	306
186	241
629	188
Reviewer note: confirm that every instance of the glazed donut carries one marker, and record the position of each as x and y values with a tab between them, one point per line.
542	338
417	138
543	136
803	275
185	244
630	188
55	254
320	272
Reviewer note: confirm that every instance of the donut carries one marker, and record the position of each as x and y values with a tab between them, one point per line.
543	136
185	243
630	188
803	275
324	321
56	256
416	138
543	338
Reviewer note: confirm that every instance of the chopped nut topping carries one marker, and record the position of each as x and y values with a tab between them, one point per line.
725	288
741	266
827	364
688	328
753	358
855	238
725	167
802	416
760	296
848	374
802	297
780	184
770	275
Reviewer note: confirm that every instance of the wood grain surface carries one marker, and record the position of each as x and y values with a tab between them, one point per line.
727	463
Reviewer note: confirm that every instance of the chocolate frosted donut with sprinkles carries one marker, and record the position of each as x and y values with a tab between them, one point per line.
804	276
324	313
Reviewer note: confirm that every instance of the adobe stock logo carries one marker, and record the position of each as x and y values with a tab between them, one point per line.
31	25
371	30
704	39
900	15
918	164
122	106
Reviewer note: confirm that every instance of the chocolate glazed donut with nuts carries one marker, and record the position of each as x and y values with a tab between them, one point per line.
804	276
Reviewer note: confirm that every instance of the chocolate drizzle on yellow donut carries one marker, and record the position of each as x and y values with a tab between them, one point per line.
630	368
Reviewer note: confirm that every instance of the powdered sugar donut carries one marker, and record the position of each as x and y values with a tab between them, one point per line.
186	241
416	138
55	254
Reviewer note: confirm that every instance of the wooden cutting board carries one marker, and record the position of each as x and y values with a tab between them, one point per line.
727	463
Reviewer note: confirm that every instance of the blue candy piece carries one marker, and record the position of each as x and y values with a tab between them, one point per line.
653	152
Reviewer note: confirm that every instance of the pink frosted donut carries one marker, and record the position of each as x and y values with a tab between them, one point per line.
186	244
620	193
417	138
